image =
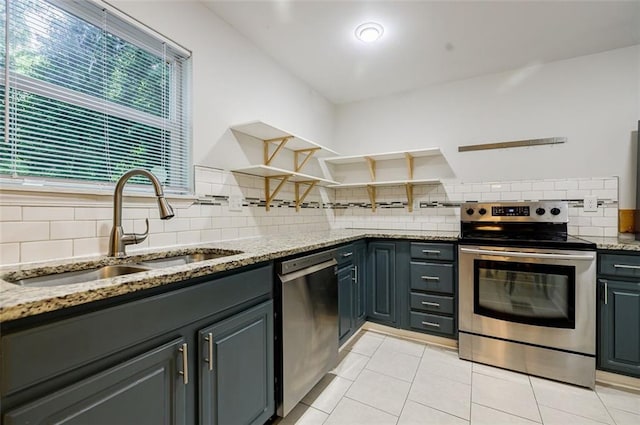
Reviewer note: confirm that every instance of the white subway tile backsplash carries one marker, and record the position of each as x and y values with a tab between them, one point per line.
91	246
176	225
10	213
543	185
611	184
9	253
47	213
566	185
605	193
159	240
85	213
210	235
590	231
578	193
554	194
511	196
604	221
229	233
610	232
189	237
45	250
521	186
591	184
72	229
200	223
22	231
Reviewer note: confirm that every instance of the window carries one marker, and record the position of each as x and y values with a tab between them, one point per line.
88	95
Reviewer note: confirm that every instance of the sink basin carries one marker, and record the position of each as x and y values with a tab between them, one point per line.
68	278
134	266
181	260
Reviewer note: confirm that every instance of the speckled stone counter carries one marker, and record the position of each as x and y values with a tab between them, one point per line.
18	302
614	243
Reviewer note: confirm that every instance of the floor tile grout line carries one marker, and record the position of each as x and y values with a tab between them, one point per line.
368	405
582	416
440	410
535	397
510	413
616	408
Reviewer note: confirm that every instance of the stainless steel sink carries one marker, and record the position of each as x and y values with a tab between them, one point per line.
68	278
181	260
133	266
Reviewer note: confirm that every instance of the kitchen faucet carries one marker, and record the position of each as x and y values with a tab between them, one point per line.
119	239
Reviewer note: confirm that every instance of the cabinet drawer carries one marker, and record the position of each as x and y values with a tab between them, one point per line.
432	323
432	303
432	251
620	265
344	254
432	277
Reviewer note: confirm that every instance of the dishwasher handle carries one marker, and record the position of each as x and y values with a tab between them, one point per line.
284	278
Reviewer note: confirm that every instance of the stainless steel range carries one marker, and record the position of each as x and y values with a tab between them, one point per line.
527	291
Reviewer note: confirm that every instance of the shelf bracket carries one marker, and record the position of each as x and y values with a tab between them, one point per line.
267	188
409	188
280	141
372	167
372	197
300	198
297	165
409	165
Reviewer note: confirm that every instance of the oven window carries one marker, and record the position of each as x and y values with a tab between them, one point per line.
535	294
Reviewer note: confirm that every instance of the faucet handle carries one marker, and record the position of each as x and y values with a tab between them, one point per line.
132	238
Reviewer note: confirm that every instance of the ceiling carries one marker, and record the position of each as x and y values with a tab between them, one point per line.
424	42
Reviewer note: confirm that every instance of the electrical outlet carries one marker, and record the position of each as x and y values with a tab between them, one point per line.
590	203
235	204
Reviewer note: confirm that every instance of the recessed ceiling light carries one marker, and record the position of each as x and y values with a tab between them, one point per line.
369	32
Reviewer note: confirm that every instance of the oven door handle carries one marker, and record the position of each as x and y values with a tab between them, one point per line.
579	257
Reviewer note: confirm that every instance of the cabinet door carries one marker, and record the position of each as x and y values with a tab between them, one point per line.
345	303
145	390
236	369
619	330
382	282
360	273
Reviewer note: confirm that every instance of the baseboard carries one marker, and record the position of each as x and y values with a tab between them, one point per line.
450	344
616	380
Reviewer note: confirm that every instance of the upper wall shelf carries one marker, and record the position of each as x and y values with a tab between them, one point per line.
418	153
274	141
266	132
372	160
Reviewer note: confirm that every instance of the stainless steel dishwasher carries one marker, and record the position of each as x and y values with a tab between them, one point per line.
309	323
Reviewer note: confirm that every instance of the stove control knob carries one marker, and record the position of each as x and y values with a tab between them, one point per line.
482	211
469	211
555	211
540	211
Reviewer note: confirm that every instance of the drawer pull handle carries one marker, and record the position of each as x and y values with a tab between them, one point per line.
209	339
431	251
429	278
435	325
185	364
347	254
431	304
626	266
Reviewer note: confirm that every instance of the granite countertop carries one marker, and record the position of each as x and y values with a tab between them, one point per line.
17	302
614	243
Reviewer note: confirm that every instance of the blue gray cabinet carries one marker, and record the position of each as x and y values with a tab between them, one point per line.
139	361
619	313
351	289
236	369
147	389
381	282
432	289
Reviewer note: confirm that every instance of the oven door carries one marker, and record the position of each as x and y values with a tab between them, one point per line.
543	297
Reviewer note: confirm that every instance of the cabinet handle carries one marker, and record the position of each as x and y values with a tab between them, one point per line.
185	363
435	325
429	278
626	266
429	303
347	254
355	274
606	289
209	339
431	251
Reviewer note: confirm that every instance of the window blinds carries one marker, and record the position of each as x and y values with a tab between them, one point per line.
87	96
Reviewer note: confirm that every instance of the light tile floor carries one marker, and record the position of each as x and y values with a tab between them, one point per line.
387	380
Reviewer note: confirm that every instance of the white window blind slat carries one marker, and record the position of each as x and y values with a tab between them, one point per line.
89	96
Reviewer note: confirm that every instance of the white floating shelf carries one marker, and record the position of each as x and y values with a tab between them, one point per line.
268	171
262	131
383	156
386	183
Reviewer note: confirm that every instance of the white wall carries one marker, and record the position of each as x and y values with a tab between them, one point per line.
593	100
233	81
